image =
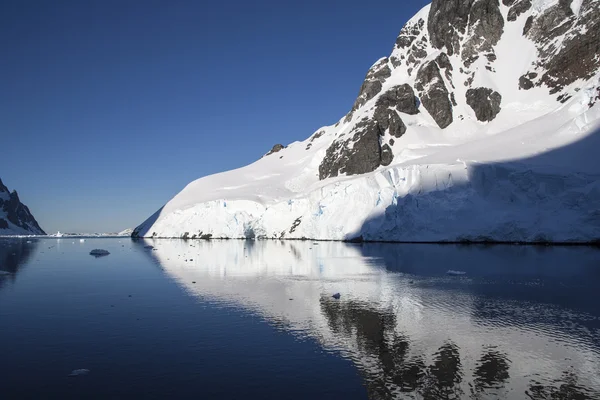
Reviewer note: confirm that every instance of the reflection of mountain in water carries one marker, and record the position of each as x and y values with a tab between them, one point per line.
422	335
14	253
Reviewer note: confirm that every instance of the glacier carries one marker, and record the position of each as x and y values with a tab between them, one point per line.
496	148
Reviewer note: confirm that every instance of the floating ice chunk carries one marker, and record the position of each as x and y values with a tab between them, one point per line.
79	372
456	273
3	273
81	240
99	252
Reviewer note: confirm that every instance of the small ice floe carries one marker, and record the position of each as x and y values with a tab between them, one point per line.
79	372
4	273
99	253
29	241
455	273
81	240
336	296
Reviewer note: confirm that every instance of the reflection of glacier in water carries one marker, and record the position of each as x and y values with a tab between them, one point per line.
414	332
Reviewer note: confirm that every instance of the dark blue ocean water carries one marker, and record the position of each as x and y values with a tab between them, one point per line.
238	320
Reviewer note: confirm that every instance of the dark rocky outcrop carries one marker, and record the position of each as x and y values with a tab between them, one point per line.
525	81
415	54
575	55
595	99
16	212
447	22
317	135
517	9
372	85
434	94
414	49
388	120
277	148
296	223
358	155
486	25
482	22
443	62
387	155
485	102
409	33
363	152
401	97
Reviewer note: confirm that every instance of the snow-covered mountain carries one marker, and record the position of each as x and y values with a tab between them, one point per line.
125	232
15	217
482	124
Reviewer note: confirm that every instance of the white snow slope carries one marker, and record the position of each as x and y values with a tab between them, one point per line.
532	174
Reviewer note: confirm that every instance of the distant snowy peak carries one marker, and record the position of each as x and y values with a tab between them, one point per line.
15	217
481	125
125	232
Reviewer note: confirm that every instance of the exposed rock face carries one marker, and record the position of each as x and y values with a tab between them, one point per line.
372	84
517	9
434	94
277	148
357	155
447	22
387	156
595	99
485	102
401	97
573	57
486	25
451	20
387	119
525	82
409	33
363	152
16	212
413	42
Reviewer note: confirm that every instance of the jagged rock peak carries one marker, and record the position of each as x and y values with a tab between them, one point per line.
15	217
3	187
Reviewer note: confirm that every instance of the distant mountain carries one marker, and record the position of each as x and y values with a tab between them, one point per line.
481	125
126	232
15	217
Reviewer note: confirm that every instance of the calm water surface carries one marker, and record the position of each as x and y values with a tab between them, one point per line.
237	319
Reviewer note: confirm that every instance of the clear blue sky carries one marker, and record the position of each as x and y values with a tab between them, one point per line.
108	108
